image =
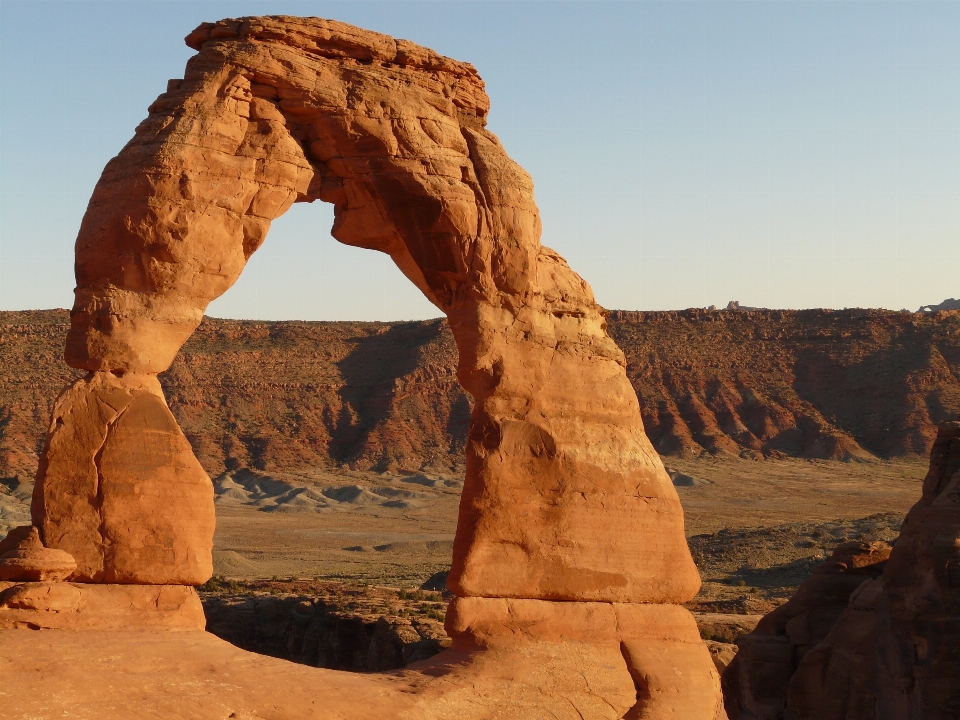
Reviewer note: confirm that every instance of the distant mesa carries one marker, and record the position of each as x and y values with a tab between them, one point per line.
735	305
948	304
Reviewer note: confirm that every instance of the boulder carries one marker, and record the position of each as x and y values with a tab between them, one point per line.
30	561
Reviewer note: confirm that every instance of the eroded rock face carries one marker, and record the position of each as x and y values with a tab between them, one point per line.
897	645
120	489
769	656
858	644
565	498
607	660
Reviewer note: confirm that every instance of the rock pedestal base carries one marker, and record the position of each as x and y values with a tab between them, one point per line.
79	606
535	658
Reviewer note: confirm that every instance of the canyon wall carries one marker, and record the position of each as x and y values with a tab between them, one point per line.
281	395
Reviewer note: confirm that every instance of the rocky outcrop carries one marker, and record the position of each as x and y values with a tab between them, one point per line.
895	646
849	646
769	656
564	498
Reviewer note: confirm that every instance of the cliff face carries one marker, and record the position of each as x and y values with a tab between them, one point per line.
812	383
281	395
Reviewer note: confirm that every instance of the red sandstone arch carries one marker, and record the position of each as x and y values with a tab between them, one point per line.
565	499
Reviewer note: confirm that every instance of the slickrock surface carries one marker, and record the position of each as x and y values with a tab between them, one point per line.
191	675
279	396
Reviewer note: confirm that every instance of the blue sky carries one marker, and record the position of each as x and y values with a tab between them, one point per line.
783	154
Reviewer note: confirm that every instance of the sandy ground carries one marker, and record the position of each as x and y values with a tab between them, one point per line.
753	494
397	530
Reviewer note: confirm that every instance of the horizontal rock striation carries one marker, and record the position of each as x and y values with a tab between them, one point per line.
837	384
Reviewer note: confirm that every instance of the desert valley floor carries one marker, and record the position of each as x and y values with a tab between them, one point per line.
756	527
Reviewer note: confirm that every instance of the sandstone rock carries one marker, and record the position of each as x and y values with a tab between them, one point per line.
769	656
725	627
564	496
874	632
78	606
137	673
119	488
645	661
14	537
721	653
895	646
31	561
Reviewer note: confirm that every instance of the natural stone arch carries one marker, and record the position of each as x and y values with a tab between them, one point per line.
564	497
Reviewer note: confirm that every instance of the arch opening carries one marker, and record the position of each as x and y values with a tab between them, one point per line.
303	274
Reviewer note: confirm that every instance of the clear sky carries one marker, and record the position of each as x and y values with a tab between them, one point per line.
783	154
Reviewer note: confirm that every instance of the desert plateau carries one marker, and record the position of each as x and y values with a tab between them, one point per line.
533	507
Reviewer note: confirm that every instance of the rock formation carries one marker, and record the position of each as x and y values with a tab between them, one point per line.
756	683
119	487
891	649
948	304
833	384
564	497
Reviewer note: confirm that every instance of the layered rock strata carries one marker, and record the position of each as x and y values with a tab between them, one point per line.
384	396
564	498
893	649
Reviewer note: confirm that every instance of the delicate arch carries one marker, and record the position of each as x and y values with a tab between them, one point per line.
564	496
